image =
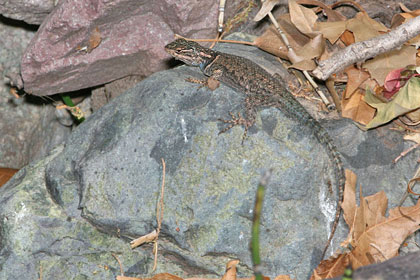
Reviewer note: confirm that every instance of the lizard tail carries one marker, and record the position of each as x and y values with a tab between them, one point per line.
326	140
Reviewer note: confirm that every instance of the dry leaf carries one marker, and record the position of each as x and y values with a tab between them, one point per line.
399	19
357	109
331	30
413	117
347	38
266	7
271	42
95	39
405	101
302	58
349	203
331	14
373	236
303	18
355	77
230	272
383	236
119	277
6	174
330	268
381	65
364	28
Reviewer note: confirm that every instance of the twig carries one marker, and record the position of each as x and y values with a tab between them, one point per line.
410	186
364	50
159	214
405	126
290	49
330	86
119	262
221	15
404	153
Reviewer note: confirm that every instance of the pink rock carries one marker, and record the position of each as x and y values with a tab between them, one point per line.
86	43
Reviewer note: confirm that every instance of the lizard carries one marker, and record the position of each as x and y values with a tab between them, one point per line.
262	90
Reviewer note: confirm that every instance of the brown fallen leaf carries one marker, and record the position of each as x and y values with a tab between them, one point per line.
230	272
6	174
332	15
95	39
357	109
302	58
347	38
331	30
271	42
355	77
381	65
363	27
330	268
303	18
266	7
373	237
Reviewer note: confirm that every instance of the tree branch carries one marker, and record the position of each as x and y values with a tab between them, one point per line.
364	50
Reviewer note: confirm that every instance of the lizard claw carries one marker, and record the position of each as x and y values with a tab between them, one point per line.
236	120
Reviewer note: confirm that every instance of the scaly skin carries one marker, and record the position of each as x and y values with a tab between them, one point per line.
262	90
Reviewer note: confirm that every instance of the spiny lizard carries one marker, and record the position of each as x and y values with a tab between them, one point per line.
262	90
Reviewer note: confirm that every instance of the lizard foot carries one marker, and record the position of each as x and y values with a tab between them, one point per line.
210	82
236	120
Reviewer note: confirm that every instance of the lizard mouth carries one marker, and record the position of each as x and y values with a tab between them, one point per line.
182	57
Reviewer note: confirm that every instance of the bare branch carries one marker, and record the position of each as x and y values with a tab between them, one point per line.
364	50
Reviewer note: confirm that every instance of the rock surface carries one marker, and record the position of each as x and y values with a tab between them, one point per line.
32	12
67	211
81	44
28	126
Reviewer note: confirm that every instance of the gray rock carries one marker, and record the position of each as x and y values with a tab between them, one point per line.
130	36
106	181
32	12
28	127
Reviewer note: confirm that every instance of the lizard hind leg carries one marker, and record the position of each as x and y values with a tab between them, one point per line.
247	122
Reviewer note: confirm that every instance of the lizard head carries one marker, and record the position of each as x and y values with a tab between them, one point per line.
191	53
